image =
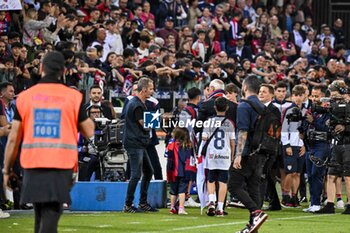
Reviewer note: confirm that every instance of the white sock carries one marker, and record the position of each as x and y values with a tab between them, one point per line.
220	206
212	198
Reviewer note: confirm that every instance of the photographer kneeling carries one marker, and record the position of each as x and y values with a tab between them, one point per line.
340	125
88	148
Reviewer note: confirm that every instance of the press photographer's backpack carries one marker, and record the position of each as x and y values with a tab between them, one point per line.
267	131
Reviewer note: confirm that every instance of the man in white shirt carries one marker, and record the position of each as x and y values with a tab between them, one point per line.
143	50
113	38
307	45
100	40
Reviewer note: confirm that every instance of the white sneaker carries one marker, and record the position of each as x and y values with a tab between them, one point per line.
306	210
314	208
191	203
340	205
182	212
3	214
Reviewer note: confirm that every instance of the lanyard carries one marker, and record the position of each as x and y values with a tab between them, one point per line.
9	113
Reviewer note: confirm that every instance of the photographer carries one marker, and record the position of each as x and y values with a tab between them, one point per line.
293	147
94	111
316	135
341	149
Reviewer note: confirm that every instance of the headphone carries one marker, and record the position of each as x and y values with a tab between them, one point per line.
88	109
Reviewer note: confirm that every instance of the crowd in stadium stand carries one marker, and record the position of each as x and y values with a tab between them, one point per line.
179	44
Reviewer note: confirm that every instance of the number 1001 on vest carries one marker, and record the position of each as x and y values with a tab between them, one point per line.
47	123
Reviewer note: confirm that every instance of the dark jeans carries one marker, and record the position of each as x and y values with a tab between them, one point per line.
93	166
47	216
268	183
244	183
153	156
316	174
139	163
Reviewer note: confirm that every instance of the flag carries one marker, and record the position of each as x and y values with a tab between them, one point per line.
201	179
10	5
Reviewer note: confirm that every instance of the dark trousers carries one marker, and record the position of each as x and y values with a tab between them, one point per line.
268	183
316	174
245	182
139	164
47	216
268	189
93	166
153	156
302	185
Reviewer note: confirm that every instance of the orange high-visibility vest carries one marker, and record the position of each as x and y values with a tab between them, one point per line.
49	115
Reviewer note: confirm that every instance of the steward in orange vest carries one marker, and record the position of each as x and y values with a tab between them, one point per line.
46	121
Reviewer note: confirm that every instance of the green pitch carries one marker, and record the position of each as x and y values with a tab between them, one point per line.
285	221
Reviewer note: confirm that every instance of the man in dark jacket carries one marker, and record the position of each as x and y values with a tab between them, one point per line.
135	140
95	95
241	50
206	108
247	168
268	184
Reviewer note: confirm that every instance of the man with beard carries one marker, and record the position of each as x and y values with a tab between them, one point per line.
95	95
247	170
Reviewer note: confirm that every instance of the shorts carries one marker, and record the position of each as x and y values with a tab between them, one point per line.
191	175
179	186
341	155
218	175
294	163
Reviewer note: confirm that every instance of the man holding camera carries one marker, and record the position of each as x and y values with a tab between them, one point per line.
293	147
316	135
86	150
341	149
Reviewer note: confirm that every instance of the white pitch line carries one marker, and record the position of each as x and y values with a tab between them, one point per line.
238	223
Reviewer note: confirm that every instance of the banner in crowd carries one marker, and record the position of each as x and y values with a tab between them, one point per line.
10	5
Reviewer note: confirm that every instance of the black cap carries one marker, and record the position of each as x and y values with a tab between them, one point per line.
16	45
169	18
239	37
13	35
53	63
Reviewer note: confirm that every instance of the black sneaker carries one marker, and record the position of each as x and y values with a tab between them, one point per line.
26	206
211	209
131	209
147	208
347	209
295	202
286	201
257	219
327	209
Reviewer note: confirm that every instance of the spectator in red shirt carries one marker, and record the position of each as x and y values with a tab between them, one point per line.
146	12
169	29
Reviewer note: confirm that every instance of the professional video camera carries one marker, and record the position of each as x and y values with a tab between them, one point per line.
339	110
108	145
295	116
107	131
